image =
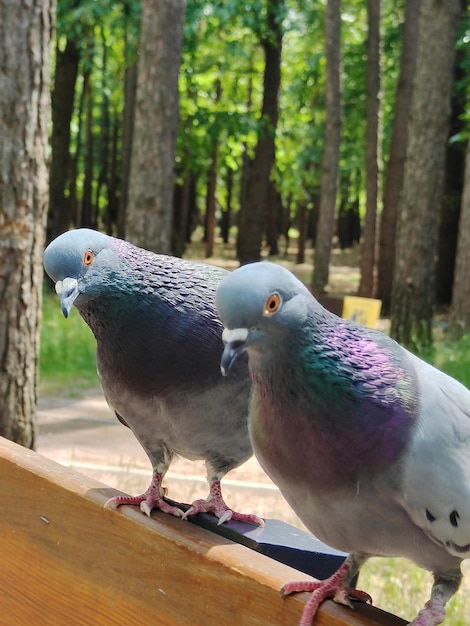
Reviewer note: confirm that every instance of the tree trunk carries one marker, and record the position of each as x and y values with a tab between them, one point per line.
367	263
453	186
25	37
302	227
330	164
104	136
461	289
396	162
151	184
87	211
414	275
274	213
211	201
130	87
74	205
226	220
63	94
112	183
251	216
349	221
184	231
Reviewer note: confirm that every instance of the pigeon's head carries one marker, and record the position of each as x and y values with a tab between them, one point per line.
69	260
258	303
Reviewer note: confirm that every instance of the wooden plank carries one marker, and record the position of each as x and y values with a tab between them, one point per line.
65	559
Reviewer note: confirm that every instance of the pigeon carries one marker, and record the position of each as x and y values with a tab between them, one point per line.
369	444
158	353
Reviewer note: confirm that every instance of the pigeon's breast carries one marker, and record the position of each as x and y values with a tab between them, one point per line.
144	344
328	445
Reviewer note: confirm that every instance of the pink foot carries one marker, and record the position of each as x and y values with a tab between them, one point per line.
215	504
151	499
330	588
432	614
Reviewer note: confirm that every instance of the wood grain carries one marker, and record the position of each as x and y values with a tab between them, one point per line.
65	559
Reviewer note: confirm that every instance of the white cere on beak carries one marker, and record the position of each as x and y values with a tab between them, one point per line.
234	344
68	284
231	335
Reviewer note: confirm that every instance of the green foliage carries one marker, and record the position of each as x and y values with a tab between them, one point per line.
106	34
402	588
453	357
81	19
219	84
221	87
299	141
67	356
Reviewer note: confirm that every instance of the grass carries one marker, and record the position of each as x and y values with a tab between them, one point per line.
67	359
453	357
401	588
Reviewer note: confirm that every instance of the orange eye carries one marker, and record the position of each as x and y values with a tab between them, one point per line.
272	304
88	257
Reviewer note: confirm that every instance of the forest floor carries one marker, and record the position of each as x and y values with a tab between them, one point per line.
344	266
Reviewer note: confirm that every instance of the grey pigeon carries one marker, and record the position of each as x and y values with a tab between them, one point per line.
158	354
369	444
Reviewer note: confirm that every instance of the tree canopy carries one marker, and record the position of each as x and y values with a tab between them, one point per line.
223	119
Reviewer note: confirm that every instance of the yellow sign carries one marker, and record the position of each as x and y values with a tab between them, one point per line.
365	311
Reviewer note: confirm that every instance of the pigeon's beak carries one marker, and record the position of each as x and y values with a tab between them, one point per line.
235	344
68	291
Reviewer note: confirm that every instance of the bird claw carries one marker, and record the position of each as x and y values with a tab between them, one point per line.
145	508
332	587
225	517
340	595
214	503
111	503
247	518
161	505
151	499
218	507
147	503
209	506
116	501
347	594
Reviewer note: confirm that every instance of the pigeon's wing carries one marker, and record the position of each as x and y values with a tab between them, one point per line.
436	481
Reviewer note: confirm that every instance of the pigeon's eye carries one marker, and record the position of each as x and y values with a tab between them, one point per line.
272	304
88	257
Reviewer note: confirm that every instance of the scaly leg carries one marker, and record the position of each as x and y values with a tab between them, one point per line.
150	499
443	589
335	587
215	504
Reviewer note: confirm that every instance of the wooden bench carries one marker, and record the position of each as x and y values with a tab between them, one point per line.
66	560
